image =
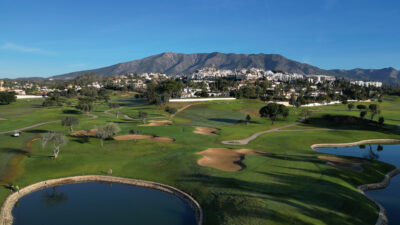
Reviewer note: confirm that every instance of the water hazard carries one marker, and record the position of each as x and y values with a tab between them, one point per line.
102	203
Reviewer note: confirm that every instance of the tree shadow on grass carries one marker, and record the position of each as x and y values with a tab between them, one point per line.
344	122
132	102
41	156
81	140
320	198
295	158
71	111
36	131
36	106
15	151
225	120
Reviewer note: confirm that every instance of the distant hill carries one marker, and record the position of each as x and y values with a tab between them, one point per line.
178	63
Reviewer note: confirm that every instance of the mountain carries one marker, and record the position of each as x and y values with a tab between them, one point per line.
178	63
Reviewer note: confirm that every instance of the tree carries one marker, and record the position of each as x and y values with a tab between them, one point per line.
361	107
106	132
143	116
381	121
56	139
69	121
284	111
54	197
374	109
350	106
114	106
248	118
363	114
170	110
89	92
292	100
202	94
54	100
7	97
85	104
306	113
272	110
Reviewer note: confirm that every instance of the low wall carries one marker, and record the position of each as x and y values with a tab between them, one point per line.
200	99
382	219
6	217
28	96
370	141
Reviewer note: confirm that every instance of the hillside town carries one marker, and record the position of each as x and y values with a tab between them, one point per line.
207	82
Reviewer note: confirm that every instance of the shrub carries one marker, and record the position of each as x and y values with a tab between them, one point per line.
170	110
7	97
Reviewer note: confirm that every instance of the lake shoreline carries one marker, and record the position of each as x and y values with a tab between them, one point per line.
6	217
382	218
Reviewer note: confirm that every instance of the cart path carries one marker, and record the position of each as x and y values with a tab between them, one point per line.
45	123
160	117
181	109
245	141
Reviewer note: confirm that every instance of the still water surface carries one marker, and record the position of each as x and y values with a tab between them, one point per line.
95	203
389	197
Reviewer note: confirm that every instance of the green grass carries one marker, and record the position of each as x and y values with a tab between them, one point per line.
292	187
204	115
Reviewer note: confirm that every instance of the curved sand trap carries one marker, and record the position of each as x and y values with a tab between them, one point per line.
129	137
154	123
226	159
343	163
84	133
205	130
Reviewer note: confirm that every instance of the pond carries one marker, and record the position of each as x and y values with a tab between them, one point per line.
102	203
389	197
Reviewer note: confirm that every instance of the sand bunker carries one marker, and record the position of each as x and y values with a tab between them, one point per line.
343	163
84	133
226	159
2	119
205	130
154	123
129	137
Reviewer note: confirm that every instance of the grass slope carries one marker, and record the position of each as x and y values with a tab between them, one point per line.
292	187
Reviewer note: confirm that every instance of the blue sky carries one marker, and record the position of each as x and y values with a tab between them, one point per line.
49	37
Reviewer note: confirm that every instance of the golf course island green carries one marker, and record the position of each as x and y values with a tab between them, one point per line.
281	179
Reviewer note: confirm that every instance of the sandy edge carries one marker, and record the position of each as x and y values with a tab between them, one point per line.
216	158
382	218
6	217
131	137
156	123
210	131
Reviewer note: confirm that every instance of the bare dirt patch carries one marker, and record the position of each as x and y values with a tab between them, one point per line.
343	163
205	130
84	133
226	159
2	119
130	137
154	123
